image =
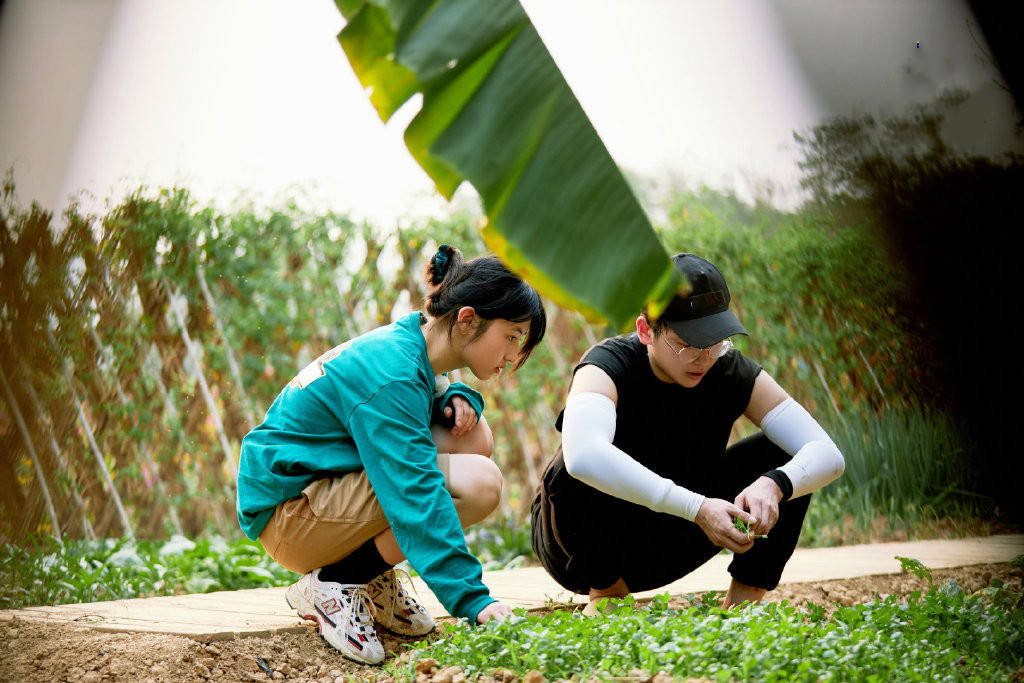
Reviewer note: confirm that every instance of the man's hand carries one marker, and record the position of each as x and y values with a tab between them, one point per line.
465	416
762	500
715	520
495	610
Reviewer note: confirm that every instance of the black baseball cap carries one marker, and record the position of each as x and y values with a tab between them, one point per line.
701	318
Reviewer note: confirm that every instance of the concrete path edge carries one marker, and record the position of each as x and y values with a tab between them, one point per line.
263	611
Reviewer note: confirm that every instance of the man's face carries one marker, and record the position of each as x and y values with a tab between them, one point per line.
667	364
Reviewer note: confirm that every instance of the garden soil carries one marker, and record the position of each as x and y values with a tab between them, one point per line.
30	651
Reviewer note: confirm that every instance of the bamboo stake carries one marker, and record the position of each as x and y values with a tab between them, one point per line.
873	378
821	376
141	446
346	318
821	373
236	373
97	454
205	390
588	332
125	522
526	454
40	477
76	495
170	408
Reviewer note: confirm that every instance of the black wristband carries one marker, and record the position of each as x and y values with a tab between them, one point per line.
782	479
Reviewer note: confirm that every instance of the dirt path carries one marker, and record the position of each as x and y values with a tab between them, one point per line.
39	652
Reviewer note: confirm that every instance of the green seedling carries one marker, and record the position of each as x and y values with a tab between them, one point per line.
915	567
745	528
942	634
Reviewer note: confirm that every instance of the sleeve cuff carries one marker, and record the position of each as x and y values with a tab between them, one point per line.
683	502
784	482
476	606
472	397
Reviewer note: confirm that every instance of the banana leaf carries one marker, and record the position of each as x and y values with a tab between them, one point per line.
497	112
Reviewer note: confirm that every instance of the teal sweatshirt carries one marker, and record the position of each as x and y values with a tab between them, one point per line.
367	405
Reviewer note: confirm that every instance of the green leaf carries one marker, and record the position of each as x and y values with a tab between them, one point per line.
915	567
257	571
202	584
498	113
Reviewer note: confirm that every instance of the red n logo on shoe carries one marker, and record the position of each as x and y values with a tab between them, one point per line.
330	606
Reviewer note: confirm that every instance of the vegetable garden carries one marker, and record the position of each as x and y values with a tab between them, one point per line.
139	345
142	345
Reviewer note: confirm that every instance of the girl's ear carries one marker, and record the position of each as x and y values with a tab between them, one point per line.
643	331
465	318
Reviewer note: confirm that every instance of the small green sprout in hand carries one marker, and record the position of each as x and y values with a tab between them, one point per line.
745	528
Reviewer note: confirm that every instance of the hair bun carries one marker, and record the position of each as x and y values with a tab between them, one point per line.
441	263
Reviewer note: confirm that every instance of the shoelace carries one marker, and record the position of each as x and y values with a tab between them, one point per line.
398	590
362	605
400	574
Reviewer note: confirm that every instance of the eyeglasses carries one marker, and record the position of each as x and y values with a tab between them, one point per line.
692	354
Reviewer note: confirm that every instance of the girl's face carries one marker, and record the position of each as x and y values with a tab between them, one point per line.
488	354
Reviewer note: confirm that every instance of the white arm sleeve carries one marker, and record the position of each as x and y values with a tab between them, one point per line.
588	428
816	459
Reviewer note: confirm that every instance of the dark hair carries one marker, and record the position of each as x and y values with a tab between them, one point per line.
490	288
657	325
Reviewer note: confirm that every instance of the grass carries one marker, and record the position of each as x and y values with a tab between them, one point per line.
502	544
908	466
44	573
907	476
941	634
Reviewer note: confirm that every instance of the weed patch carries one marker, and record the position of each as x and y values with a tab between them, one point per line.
941	633
45	573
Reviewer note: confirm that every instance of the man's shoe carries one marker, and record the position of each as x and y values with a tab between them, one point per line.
342	611
396	610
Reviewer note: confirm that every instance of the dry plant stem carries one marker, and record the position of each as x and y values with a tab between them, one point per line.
74	486
40	477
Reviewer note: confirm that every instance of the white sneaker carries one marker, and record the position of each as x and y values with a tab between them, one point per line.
397	611
342	611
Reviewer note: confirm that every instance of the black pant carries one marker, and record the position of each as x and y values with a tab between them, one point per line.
588	539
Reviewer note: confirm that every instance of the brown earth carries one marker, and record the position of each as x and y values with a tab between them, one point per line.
31	651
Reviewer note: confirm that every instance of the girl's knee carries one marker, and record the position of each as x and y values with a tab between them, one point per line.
482	440
476	486
478	440
487	483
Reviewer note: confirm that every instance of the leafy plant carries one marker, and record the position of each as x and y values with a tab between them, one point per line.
915	567
503	544
497	112
940	634
744	527
287	285
113	569
44	573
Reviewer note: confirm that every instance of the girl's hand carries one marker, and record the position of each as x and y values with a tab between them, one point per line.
495	610
465	416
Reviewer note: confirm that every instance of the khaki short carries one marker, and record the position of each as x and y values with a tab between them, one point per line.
329	520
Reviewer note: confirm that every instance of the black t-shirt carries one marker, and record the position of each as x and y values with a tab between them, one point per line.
673	430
